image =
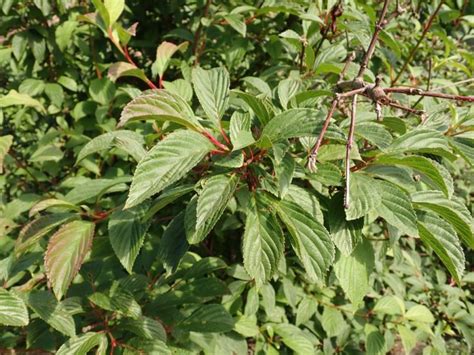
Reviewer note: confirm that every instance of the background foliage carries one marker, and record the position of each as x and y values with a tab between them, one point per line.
185	220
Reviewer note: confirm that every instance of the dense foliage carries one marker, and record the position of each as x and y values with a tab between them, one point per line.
156	193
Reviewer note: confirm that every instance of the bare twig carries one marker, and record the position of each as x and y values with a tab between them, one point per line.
420	92
350	141
370	51
430	67
197	35
415	48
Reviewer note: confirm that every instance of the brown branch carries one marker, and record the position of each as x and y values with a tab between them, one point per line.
415	48
420	92
350	141
430	67
197	35
370	51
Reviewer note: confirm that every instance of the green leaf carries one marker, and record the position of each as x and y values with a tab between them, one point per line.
51	203
453	211
294	338
164	52
298	122
237	23
309	239
13	311
287	88
374	341
307	200
83	343
240	130
421	164
14	98
122	69
33	231
166	197
5	144
306	309
66	251
408	338
396	208
331	321
166	163
441	237
128	141
392	305
420	313
284	171
114	9
145	327
96	188
147	346
52	312
346	235
353	272
173	244
127	233
102	91
262	244
423	141
161	105
262	108
375	133
211	203
209	318
464	147
118	300
212	90
364	196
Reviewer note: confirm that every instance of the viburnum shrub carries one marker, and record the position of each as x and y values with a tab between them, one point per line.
262	182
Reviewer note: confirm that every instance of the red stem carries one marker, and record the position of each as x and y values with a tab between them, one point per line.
215	141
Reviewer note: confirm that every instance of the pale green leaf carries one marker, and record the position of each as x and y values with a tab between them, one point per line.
396	208
294	338
287	88
166	163
353	272
121	69
161	105
420	313
237	23
262	108
392	305
441	237
164	52
284	171
212	90
96	188
82	344
5	144
310	240
13	311
127	234
66	251
262	244
211	203
306	309
307	200
14	98
331	321
114	9
408	338
51	203
375	133
240	130
364	196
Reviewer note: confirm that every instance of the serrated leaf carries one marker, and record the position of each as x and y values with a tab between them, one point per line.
212	90
374	341
309	239
164	52
13	311
118	300
5	144
284	172
173	244
262	244
396	208
145	327
161	105
82	344
209	318
353	272
464	147
36	229
453	211
262	108
408	338
66	251
421	164
114	9
306	309
96	188
210	205
51	311
391	305
375	133
14	98
346	235
127	233
166	197
166	163
420	313
364	196
147	346
121	69
240	130
441	237
294	338
308	201
129	141
51	203
287	88
331	321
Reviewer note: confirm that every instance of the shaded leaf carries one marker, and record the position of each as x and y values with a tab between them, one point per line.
13	311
